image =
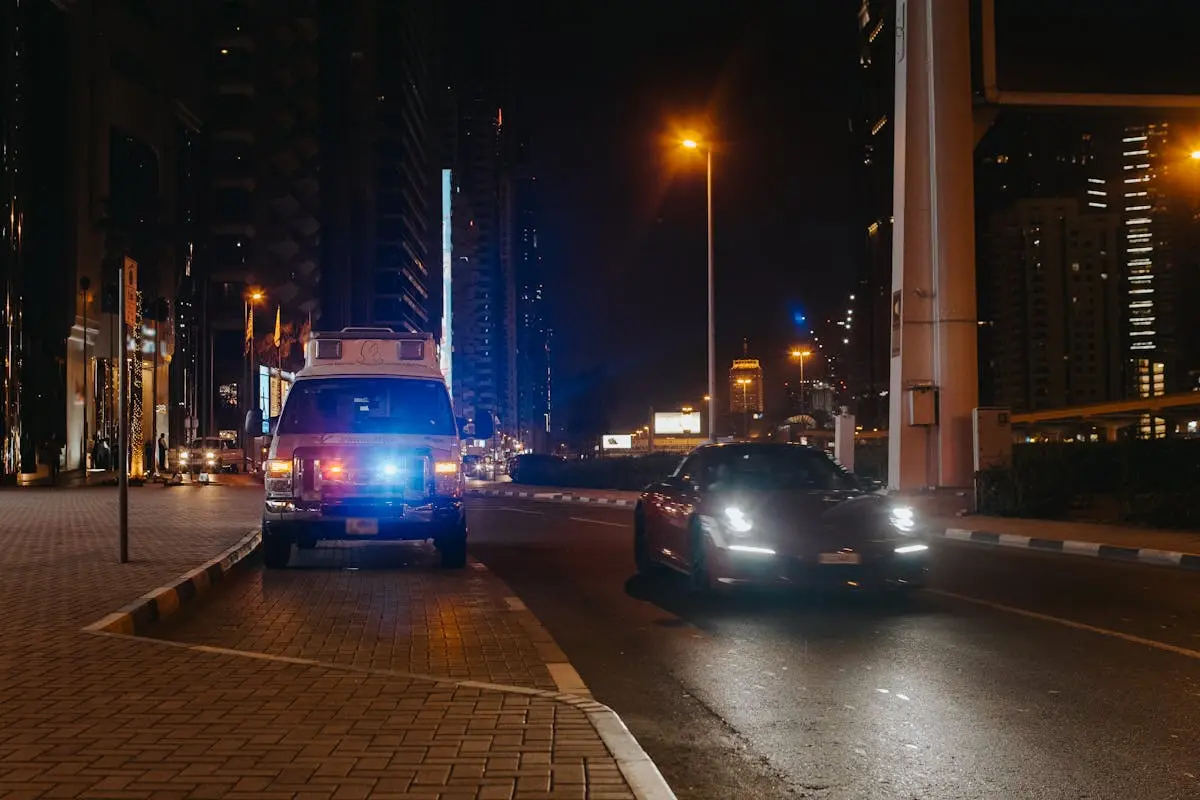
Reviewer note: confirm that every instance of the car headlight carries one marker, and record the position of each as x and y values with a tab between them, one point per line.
183	456
737	521
909	549
903	519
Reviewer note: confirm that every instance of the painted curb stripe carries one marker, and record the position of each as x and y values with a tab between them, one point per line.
1108	552
158	604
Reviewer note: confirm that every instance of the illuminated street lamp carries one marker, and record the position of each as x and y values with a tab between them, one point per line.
252	298
799	355
1196	155
693	144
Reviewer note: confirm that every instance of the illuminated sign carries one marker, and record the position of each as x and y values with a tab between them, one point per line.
676	423
617	441
447	350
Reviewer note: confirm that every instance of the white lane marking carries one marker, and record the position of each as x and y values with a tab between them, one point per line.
512	510
600	522
1068	623
515	604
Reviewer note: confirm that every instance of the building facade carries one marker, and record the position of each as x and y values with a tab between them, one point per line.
866	362
1053	296
99	102
483	281
324	188
1162	261
746	387
534	332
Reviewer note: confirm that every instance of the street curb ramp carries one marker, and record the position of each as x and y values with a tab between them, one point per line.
158	604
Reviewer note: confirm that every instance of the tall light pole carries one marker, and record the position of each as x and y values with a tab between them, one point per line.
800	355
693	144
252	297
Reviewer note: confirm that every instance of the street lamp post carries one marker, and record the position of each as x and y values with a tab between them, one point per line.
255	296
800	355
693	144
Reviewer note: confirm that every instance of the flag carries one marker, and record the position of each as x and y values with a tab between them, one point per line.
249	327
278	337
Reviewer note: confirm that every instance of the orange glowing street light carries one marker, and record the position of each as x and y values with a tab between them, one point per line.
694	144
1195	155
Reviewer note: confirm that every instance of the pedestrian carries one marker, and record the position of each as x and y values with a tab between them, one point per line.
162	452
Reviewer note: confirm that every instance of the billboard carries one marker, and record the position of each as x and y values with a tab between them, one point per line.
447	349
617	441
676	423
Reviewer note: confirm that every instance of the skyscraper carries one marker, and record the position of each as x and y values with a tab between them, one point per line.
484	216
1160	262
746	386
534	378
1053	299
97	127
867	363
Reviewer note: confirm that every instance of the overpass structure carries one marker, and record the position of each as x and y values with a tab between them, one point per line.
934	358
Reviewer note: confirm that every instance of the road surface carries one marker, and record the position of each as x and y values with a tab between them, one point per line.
1018	675
1009	679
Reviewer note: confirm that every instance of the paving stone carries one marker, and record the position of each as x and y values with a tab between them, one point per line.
112	717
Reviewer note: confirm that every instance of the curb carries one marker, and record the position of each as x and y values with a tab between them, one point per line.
1109	552
160	603
638	769
555	497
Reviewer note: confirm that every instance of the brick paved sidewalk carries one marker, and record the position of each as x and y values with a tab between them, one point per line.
84	715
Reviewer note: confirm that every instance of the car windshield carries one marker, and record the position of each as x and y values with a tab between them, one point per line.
777	468
368	405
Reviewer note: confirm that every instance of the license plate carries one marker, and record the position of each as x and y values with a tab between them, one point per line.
362	527
839	558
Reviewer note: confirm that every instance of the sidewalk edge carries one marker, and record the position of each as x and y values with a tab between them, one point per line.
1109	552
160	603
555	497
638	769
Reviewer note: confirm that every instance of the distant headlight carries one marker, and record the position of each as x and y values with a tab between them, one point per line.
903	519
210	454
183	456
737	521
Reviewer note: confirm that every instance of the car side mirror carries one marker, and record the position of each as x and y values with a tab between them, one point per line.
254	422
461	422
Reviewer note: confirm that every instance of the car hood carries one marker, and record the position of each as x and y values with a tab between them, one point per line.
805	522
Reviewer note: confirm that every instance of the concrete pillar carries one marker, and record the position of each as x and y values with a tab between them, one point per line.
934	325
843	438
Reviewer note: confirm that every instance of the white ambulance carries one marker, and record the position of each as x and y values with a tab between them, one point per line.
366	448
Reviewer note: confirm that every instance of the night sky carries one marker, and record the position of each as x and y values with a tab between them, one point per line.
601	88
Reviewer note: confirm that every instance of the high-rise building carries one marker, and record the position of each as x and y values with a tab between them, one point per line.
484	211
484	274
746	386
324	177
534	377
866	363
97	135
1160	238
1053	299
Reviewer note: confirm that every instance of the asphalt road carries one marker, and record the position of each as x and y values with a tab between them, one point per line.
1018	675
